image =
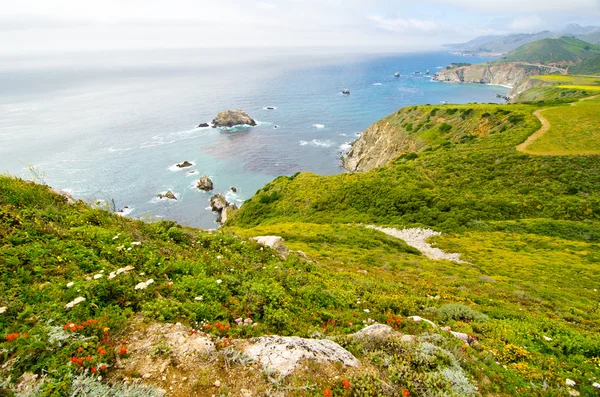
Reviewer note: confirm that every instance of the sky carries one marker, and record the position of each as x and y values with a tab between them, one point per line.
42	26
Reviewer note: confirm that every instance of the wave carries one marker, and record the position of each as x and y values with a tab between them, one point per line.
125	211
317	143
117	150
377	84
319	126
345	147
232	196
175	168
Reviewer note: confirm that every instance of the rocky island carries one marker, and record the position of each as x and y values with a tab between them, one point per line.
232	118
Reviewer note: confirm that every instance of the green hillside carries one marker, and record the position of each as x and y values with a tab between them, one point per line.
565	50
589	67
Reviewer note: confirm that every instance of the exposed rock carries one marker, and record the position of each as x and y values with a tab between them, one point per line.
377	145
284	353
184	164
346	91
168	195
417	238
231	118
397	74
270	108
204	183
234	189
203	125
274	242
65	195
219	204
380	331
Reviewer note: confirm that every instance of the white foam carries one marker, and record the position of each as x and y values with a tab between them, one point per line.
232	196
377	84
319	126
341	134
345	147
317	143
175	168
125	211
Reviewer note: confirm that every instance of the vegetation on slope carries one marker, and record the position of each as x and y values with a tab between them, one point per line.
587	67
565	50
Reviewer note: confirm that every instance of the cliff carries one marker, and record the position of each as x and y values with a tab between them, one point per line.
514	75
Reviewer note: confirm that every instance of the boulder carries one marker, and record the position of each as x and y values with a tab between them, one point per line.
168	195
274	242
231	118
204	183
397	74
283	354
234	189
203	125
185	164
378	331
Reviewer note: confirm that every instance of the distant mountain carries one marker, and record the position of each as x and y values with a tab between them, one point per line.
563	51
507	43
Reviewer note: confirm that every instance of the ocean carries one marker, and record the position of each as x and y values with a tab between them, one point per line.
111	126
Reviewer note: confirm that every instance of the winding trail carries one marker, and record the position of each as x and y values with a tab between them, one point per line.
544	128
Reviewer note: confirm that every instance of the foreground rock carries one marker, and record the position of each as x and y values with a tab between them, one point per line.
284	353
205	183
232	118
185	164
378	332
274	242
168	195
220	205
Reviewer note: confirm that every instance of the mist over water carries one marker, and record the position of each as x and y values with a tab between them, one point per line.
112	125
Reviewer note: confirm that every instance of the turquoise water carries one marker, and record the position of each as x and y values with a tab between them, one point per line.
111	126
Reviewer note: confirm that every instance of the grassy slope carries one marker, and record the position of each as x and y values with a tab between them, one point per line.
574	130
587	67
552	51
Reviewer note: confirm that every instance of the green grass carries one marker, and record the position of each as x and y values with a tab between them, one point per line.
587	67
568	80
564	50
574	130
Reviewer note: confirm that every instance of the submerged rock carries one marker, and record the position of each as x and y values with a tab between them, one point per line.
274	242
168	195
185	164
231	118
204	183
203	125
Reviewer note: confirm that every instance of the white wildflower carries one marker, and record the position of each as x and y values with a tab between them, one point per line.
69	285
142	274
144	285
149	282
219	257
125	269
136	243
219	281
97	276
199	298
112	275
596	385
129	249
570	382
367	311
117	236
547	338
573	393
2	309
74	302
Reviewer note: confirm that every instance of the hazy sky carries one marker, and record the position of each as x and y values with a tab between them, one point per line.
29	26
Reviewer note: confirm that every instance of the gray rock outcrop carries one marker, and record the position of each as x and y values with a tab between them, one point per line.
284	353
168	195
274	242
220	205
185	164
231	118
204	183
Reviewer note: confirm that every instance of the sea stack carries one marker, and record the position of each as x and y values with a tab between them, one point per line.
205	183
185	164
232	118
168	195
397	74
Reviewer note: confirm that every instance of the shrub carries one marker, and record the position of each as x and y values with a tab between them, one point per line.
456	311
444	127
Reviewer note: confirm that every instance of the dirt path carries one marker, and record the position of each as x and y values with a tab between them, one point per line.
544	128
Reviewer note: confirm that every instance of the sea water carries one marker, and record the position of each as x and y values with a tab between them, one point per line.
112	126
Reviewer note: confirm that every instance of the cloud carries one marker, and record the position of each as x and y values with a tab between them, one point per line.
266	6
407	25
526	24
528	6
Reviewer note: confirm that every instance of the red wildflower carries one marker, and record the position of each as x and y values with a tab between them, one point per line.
88	358
102	367
101	351
93	370
405	393
123	350
346	384
327	393
11	337
80	349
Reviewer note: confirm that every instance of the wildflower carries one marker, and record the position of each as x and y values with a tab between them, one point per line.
117	236
2	309
327	393
124	269
136	243
405	392
570	382
112	275
74	302
144	285
97	276
219	281
11	337
596	385
102	367
346	384
101	351
88	358
123	350
573	393
367	311
199	298
93	370
80	349
70	284
547	338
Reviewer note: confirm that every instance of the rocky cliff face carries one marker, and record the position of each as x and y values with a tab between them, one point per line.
378	145
510	74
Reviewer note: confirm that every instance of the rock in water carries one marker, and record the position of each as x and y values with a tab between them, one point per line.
168	195
234	189
346	91
203	125
204	183
231	118
219	204
396	74
184	164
